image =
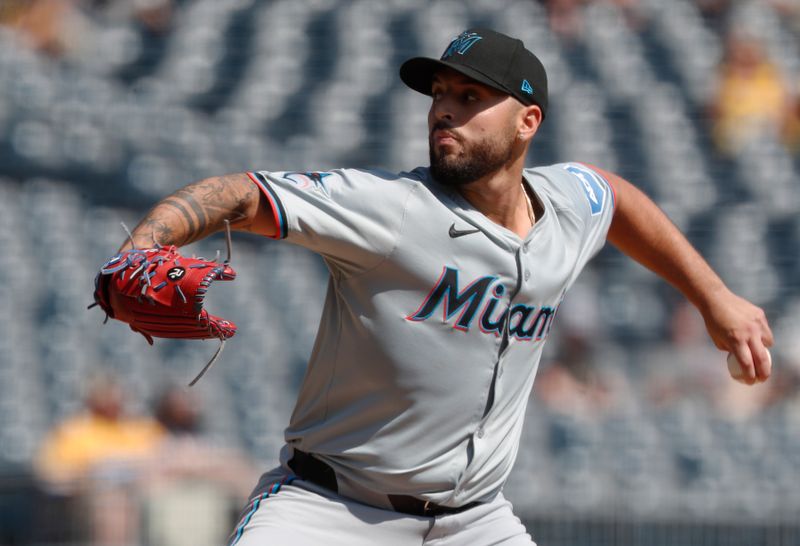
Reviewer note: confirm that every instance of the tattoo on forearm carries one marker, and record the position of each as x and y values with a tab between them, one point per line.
215	191
198	210
175	203
187	195
160	232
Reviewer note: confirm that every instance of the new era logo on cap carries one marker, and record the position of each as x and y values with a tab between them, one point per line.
526	87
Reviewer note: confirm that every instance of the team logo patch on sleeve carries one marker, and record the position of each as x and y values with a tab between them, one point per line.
593	186
308	180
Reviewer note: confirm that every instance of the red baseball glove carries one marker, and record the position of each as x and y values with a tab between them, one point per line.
160	293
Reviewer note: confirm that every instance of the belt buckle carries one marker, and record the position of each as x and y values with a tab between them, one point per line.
426	507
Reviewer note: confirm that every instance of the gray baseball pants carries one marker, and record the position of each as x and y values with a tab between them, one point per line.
287	511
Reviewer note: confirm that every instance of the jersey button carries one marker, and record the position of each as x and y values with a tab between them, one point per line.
479	433
525	248
527	275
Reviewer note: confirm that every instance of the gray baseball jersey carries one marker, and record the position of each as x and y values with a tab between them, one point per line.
434	321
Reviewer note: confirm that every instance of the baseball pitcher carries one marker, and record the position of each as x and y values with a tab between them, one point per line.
445	282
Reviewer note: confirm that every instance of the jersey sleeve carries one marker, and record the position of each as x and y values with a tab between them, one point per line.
351	217
591	197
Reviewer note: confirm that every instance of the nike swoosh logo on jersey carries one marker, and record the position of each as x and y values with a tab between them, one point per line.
460	232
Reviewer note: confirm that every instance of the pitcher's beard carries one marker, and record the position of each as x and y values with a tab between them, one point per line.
470	164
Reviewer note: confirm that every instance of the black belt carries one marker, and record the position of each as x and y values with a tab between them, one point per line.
311	469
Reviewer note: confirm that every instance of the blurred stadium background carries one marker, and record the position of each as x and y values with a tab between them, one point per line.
635	435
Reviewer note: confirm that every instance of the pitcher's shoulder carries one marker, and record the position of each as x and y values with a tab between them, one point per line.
571	183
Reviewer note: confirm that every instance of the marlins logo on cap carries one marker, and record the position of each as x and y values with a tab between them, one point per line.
461	44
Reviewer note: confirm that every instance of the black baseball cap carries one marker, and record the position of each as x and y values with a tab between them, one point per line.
490	57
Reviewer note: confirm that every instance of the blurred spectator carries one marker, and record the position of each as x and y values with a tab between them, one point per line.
566	17
585	378
188	452
714	11
101	438
788	11
685	366
154	15
44	25
568	385
74	29
95	458
688	367
193	486
143	480
178	412
752	99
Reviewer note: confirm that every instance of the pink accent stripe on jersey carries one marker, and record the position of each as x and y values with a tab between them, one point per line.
278	214
254	505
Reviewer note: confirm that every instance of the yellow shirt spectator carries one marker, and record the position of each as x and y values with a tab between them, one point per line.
102	435
83	442
752	99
